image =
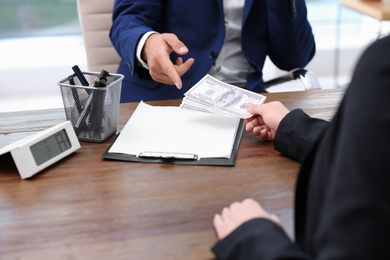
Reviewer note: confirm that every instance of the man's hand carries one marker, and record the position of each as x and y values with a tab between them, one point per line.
156	53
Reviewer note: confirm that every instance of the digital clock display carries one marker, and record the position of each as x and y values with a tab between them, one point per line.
50	147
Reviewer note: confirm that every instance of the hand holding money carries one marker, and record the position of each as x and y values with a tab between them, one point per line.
214	96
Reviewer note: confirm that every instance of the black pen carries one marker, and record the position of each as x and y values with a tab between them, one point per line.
98	100
83	114
75	94
80	75
101	81
81	121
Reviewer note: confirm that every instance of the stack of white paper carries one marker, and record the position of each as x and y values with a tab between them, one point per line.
175	130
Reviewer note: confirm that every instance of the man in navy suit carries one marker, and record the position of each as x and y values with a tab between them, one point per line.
168	46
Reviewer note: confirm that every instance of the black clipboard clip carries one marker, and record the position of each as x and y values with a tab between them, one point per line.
192	160
168	156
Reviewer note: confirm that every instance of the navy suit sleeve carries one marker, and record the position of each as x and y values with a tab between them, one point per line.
298	133
291	40
131	19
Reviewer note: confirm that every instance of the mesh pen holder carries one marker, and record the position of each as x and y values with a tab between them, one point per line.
93	111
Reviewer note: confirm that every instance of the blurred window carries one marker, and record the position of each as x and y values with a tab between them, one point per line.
29	18
329	11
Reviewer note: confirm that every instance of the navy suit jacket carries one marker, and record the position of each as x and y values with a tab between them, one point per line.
342	202
278	28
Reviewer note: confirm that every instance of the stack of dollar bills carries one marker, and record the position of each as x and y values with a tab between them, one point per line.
214	96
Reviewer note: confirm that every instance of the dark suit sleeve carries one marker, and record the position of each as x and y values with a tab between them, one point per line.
258	239
291	41
298	133
131	19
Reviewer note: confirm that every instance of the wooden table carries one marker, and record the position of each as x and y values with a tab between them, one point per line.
376	9
84	207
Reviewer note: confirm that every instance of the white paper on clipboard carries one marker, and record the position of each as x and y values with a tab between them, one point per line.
175	130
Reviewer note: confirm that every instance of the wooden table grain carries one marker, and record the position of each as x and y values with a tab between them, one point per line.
85	207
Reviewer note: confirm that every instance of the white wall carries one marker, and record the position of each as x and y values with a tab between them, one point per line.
31	67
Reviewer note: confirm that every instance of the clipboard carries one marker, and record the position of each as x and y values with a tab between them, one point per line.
133	133
231	161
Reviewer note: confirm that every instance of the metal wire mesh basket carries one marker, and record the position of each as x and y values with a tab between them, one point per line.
93	111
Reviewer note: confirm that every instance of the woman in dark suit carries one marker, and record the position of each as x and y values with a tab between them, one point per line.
342	202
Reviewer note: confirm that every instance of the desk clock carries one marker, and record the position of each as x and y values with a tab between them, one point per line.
38	151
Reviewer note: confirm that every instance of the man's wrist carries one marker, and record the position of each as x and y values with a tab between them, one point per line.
140	46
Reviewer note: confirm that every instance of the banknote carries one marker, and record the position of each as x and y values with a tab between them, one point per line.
214	96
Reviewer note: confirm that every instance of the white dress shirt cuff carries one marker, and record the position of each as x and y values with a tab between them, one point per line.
140	46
